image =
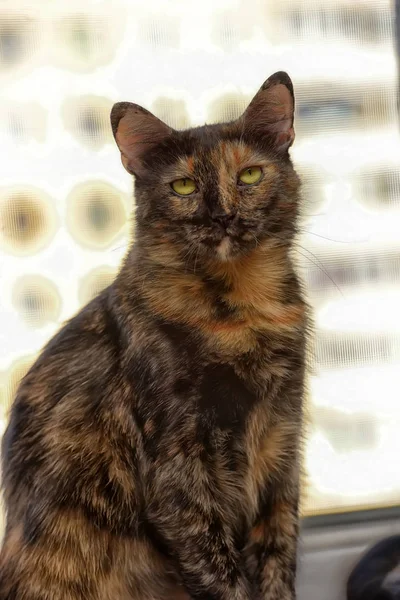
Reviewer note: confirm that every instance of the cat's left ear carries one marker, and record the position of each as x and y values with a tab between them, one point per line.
136	131
272	111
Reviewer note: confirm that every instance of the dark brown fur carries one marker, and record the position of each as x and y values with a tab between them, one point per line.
153	449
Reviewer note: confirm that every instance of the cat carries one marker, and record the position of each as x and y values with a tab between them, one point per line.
377	575
153	450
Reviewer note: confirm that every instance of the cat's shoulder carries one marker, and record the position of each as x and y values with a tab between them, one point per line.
88	341
74	370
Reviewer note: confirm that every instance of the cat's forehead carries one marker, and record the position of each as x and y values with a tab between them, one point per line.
219	152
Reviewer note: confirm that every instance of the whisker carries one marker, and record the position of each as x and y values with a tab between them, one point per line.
193	250
255	239
327	238
317	263
119	247
195	260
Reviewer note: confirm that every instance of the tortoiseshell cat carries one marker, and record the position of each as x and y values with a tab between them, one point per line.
153	449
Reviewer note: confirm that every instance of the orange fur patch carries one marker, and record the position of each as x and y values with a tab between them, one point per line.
256	293
257	534
236	155
267	452
256	279
190	164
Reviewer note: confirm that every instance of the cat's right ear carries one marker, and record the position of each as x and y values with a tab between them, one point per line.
136	131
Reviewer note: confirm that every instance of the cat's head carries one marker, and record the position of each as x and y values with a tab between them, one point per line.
218	191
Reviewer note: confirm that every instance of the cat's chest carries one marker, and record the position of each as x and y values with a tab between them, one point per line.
216	416
226	387
247	449
241	404
225	395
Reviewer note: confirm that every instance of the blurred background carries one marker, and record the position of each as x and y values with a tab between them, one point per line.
65	200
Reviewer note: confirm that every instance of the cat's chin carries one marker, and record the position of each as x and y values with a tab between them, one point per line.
224	249
228	250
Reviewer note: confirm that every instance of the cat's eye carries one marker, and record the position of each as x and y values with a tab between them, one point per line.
184	186
250	175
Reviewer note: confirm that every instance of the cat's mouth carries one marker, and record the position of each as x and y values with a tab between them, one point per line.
230	246
227	244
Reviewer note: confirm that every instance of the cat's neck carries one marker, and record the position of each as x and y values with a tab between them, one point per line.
258	290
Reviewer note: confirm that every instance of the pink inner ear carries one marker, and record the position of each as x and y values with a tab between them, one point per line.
130	145
280	103
137	132
274	106
272	110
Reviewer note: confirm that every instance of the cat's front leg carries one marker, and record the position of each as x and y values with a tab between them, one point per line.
272	548
184	516
59	554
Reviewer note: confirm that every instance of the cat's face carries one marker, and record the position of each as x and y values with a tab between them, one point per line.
217	191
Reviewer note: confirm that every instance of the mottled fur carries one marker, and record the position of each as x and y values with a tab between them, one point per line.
153	449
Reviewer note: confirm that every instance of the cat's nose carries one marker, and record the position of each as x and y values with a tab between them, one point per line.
222	218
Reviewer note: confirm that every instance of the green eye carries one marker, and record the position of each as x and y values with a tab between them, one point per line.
184	187
250	175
